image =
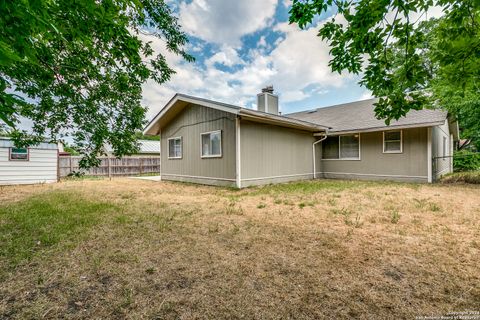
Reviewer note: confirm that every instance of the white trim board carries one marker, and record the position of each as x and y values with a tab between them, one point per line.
196	177
276	177
375	175
238	155
429	155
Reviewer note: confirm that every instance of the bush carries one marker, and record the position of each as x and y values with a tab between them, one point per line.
465	160
472	177
76	174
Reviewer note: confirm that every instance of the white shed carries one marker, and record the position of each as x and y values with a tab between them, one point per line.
36	164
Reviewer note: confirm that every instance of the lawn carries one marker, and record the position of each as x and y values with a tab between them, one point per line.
134	249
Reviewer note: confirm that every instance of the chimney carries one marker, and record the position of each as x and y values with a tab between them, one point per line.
267	101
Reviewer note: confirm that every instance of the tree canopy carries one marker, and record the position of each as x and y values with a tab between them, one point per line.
77	68
405	59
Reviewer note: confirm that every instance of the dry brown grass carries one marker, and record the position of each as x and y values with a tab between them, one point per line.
312	250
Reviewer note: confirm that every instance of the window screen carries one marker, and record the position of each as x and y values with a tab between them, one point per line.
19	154
175	148
330	148
392	141
349	147
212	144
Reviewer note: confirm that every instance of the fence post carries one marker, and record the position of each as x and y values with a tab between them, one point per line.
109	168
71	168
141	163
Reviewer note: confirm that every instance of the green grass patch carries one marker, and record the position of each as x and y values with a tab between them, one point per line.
84	177
306	187
31	226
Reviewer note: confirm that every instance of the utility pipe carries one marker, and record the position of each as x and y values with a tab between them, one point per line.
314	160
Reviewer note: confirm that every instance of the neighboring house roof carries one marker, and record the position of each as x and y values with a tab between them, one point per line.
180	101
6	142
360	116
145	147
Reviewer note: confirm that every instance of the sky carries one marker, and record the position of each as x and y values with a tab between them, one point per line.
241	47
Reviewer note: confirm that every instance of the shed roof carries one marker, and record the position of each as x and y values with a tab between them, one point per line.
360	116
6	142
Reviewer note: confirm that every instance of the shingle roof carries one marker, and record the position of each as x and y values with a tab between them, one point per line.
360	116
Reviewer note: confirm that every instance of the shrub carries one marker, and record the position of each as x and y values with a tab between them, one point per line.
465	160
76	174
462	177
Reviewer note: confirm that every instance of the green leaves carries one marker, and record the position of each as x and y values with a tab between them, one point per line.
79	67
408	63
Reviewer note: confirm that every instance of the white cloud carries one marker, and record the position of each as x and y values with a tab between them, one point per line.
226	56
225	21
366	95
301	59
297	67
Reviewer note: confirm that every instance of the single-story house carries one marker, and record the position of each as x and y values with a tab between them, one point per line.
36	164
210	142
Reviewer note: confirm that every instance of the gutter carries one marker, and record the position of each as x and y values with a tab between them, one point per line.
387	128
282	120
314	158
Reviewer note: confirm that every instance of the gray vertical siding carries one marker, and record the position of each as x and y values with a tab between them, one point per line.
410	165
189	124
272	154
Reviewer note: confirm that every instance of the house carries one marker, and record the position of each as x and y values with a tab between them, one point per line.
36	164
146	148
210	142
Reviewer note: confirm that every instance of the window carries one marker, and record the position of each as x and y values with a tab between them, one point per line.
392	141
20	154
345	147
211	144
175	148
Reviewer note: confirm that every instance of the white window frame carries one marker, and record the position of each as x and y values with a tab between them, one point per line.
401	142
181	147
10	152
201	145
339	147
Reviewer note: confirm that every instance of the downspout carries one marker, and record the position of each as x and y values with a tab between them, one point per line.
314	158
161	153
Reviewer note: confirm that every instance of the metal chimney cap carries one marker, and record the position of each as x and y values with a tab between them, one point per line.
268	89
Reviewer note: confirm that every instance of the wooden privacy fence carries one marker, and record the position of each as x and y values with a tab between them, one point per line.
111	166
